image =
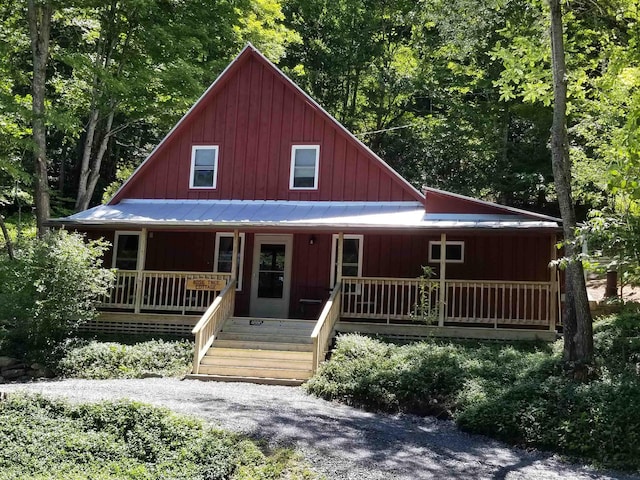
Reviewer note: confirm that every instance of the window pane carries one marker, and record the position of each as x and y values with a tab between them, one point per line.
306	157
350	250
304	168
127	254
454	252
270	285
225	254
205	157
435	251
272	257
203	178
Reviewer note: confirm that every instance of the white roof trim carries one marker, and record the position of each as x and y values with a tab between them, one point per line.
492	204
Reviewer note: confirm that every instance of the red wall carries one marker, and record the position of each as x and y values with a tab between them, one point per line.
488	256
255	116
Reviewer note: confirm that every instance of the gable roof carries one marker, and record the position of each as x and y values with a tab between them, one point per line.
250	52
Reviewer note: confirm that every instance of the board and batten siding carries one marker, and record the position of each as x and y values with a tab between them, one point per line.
254	115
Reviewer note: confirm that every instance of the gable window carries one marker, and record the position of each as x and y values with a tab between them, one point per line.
454	252
125	250
351	257
305	160
204	166
224	255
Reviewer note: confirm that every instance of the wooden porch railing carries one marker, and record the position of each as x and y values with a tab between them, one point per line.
321	334
389	298
161	290
465	301
212	321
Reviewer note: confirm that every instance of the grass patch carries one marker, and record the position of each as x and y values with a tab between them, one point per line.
42	438
515	392
101	360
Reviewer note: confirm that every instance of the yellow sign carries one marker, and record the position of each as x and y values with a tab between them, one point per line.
205	284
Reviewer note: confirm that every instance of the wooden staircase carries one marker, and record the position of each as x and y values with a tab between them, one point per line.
260	350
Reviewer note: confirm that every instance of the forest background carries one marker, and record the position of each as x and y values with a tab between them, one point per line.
453	94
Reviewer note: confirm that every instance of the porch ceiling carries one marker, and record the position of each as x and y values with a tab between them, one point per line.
290	214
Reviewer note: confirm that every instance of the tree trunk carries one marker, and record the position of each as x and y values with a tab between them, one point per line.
578	333
7	239
39	14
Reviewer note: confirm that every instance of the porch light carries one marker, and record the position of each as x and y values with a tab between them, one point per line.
312	240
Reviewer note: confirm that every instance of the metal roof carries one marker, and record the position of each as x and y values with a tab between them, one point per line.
289	214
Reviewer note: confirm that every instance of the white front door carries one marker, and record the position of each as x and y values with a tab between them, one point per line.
271	276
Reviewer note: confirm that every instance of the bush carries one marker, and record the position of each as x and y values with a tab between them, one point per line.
53	439
100	360
50	289
517	393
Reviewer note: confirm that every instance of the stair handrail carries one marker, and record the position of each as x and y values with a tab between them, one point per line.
212	321
321	335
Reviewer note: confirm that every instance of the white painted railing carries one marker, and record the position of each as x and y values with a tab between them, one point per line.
389	298
162	291
323	331
212	321
499	303
123	292
495	303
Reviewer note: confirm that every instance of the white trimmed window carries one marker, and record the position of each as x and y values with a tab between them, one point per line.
454	253
204	166
125	250
351	257
305	160
224	255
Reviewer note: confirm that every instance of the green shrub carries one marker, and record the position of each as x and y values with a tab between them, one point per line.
49	290
100	360
515	392
53	439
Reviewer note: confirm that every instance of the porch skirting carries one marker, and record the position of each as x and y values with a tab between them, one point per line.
411	332
142	323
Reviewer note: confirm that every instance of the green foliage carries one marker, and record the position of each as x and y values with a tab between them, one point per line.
41	438
53	286
518	393
99	360
614	234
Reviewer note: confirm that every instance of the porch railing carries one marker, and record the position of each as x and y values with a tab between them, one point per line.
212	321
162	291
464	301
322	333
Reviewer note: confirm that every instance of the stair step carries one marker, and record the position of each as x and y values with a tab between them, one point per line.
230	378
279	337
218	351
287	323
256	372
246	362
268	329
257	345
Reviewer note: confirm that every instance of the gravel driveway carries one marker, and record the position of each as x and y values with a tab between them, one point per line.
339	441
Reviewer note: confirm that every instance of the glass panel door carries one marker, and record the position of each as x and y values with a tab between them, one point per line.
271	271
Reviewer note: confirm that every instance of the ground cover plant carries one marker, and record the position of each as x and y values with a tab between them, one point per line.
42	438
515	392
95	359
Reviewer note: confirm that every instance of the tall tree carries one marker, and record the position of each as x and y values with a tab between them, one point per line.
39	15
577	322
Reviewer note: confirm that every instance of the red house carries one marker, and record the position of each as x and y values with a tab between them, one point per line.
262	211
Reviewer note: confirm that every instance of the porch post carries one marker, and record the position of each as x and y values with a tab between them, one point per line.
339	259
443	276
142	257
234	258
553	293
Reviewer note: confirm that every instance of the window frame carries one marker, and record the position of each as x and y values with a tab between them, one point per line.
216	163
432	243
116	241
216	255
334	255
316	180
